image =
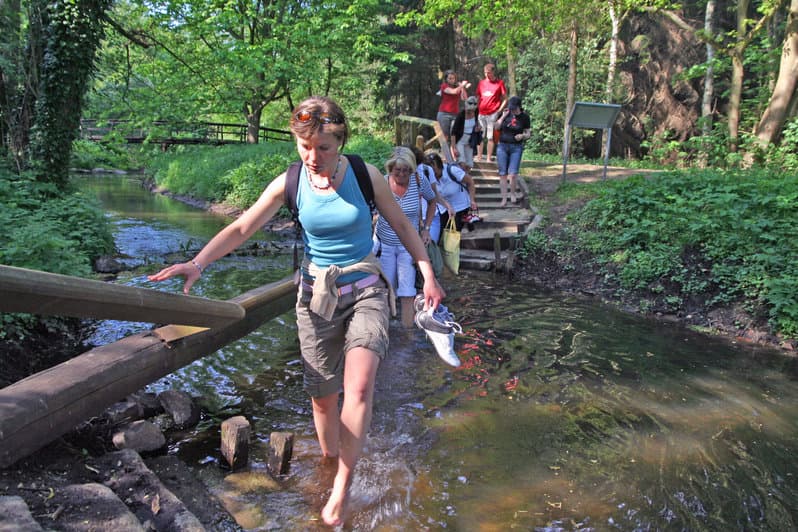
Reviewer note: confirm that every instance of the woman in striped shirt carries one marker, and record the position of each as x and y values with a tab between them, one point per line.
397	264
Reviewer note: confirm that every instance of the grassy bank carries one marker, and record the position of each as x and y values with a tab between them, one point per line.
236	175
684	240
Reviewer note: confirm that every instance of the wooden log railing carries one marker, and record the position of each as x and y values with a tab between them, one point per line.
44	406
408	128
51	294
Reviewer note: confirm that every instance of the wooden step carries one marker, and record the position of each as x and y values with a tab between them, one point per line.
500	226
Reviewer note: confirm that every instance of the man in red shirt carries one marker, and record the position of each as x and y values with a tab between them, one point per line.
492	96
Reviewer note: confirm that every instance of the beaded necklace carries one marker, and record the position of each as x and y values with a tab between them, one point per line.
329	180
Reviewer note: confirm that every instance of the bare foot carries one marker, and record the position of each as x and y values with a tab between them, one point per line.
503	203
333	512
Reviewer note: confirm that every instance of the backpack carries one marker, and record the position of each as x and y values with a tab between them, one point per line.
451	177
292	188
292	184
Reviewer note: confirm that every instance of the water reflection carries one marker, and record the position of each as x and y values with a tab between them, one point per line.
565	415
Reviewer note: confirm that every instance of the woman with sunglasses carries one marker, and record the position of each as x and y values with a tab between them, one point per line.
409	191
343	299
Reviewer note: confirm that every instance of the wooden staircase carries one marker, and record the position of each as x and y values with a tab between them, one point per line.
496	236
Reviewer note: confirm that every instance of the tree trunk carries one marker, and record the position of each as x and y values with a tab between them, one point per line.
613	59
73	30
511	81
738	73
611	67
253	123
772	121
21	57
709	76
570	91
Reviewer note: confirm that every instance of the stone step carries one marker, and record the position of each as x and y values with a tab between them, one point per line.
94	505
15	515
144	493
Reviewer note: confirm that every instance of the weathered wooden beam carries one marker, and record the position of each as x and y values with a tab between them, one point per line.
36	292
42	407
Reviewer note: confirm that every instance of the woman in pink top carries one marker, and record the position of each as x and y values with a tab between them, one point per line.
452	93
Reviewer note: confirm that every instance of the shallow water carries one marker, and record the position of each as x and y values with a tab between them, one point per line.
565	415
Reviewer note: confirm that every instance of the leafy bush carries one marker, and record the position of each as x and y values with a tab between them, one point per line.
723	235
47	231
88	155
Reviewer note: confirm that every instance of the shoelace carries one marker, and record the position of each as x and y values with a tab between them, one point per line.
446	318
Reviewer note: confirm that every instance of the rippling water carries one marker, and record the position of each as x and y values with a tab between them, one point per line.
566	415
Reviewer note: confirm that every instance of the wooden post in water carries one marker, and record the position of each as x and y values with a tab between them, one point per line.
235	441
497	251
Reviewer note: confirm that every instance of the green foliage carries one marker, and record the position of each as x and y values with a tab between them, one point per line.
71	37
88	155
541	79
237	175
241	61
48	231
720	235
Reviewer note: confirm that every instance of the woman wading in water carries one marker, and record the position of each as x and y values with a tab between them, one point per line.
343	300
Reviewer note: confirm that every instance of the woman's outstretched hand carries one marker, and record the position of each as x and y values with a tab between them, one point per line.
185	269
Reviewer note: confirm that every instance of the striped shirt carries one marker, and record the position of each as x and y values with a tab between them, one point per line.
409	204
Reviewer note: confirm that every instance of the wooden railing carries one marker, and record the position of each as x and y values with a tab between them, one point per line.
44	406
163	132
421	132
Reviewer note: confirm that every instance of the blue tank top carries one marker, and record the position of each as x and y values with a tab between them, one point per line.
337	226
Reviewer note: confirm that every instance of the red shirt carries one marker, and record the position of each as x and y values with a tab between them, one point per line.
490	94
450	103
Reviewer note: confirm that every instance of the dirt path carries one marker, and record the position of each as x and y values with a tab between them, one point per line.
544	179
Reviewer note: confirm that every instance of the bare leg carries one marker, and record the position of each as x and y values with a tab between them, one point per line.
359	375
490	150
513	186
503	186
326	419
407	311
479	151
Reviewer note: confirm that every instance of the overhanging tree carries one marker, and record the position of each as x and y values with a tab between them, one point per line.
237	58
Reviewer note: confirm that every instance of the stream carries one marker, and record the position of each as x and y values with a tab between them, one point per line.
565	415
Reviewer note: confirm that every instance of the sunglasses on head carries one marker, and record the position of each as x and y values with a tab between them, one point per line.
324	118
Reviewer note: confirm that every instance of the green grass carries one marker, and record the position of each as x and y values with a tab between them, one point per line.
237	174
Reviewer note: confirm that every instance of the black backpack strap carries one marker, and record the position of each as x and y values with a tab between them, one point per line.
453	178
363	179
289	197
291	189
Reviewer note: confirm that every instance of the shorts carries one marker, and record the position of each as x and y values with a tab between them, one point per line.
397	264
446	120
360	320
487	121
508	158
